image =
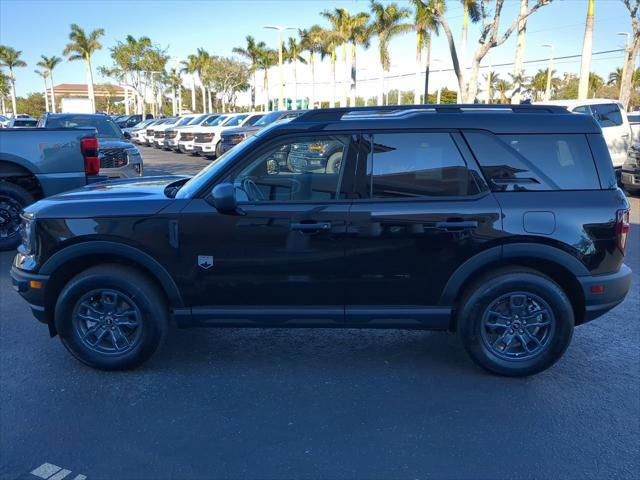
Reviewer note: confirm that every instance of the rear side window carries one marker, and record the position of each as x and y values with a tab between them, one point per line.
535	162
418	165
607	114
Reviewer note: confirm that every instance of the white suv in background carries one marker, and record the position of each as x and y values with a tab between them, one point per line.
173	134
207	138
160	133
611	117
185	142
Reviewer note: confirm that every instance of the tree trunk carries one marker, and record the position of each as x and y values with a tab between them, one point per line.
3	106
418	86
518	68
92	96
13	94
193	94
266	90
46	96
204	98
333	79
53	92
345	73
210	100
626	84
253	91
469	94
587	47
295	85
427	67
463	46
313	81
353	75
380	101
173	101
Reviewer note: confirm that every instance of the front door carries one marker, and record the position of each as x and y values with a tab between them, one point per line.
422	213
282	260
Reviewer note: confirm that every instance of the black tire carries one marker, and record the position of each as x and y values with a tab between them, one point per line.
13	199
137	291
497	348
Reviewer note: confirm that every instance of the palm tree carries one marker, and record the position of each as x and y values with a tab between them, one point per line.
330	42
311	41
44	74
358	33
174	81
10	58
518	65
502	86
387	23
50	63
471	11
267	58
340	32
251	53
595	82
81	47
190	67
587	47
538	82
291	54
202	62
425	24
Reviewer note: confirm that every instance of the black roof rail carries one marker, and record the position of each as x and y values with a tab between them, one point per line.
334	114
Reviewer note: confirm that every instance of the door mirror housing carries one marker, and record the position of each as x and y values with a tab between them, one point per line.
223	197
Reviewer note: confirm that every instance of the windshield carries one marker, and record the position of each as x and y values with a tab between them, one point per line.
267	119
105	127
198	120
184	121
213	121
203	176
235	121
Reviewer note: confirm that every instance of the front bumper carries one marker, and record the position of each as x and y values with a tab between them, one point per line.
205	148
23	283
131	170
615	287
630	177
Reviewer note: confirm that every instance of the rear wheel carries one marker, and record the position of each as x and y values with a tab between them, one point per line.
13	199
515	323
111	317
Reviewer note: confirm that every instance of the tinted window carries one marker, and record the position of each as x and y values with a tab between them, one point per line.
235	121
253	120
213	121
103	124
418	164
268	118
300	169
607	114
535	162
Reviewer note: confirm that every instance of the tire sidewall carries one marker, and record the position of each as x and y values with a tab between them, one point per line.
25	199
471	313
152	318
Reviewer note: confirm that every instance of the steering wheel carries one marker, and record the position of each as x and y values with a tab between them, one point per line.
253	192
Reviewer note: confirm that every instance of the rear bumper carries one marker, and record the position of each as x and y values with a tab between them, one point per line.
615	287
22	283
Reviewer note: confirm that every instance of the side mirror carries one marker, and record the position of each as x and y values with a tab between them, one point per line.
224	199
127	135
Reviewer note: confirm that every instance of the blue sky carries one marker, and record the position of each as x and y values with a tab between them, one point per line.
41	27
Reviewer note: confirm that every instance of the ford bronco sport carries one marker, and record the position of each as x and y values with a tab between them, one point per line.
502	223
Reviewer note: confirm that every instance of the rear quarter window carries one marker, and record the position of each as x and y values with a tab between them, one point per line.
535	162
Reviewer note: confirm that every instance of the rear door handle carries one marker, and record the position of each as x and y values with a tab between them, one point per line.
454	225
311	227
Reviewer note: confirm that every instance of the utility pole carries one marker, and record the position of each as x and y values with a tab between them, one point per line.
587	47
280	29
547	91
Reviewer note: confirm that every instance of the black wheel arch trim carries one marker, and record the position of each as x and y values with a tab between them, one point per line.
503	252
100	247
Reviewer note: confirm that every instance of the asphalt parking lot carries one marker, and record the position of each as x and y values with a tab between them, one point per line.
321	404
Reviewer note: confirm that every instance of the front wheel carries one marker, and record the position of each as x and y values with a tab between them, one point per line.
111	317
515	323
13	199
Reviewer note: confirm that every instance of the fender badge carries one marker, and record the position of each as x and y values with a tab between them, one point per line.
205	261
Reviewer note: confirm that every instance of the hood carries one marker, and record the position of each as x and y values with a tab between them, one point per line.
245	130
112	142
134	197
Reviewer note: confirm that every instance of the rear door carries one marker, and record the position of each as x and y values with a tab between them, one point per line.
423	211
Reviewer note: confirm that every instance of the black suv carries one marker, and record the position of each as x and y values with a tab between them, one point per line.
503	224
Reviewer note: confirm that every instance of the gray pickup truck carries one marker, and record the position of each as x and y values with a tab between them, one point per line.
37	163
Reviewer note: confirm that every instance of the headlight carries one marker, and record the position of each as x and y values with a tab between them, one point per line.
27	232
133	152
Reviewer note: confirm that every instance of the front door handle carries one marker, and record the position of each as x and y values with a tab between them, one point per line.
457	225
311	227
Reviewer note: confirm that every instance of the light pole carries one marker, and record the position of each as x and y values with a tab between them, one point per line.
626	56
547	92
280	29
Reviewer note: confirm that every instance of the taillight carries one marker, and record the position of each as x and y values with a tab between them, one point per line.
622	228
89	148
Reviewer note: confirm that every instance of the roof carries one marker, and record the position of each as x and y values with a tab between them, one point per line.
82	89
500	119
570	103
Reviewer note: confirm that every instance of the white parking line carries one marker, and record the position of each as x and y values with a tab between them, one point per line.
49	471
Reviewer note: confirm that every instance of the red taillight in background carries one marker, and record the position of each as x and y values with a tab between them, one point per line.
622	228
89	148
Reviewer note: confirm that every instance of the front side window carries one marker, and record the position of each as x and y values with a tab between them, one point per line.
417	165
298	169
235	121
214	121
607	114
